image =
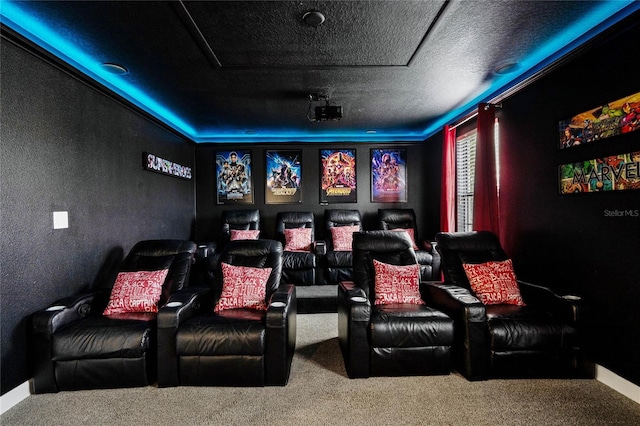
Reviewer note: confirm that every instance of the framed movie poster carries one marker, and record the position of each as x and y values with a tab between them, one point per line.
389	175
233	176
283	180
338	176
615	173
611	119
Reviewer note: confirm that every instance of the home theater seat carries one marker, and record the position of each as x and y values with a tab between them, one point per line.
92	341
241	332
387	329
531	332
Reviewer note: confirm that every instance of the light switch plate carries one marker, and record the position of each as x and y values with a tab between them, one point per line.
60	220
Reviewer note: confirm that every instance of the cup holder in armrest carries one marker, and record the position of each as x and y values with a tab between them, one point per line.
358	299
571	297
278	304
174	304
55	308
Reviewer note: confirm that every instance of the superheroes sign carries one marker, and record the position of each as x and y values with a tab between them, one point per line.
233	175
615	173
284	171
388	175
614	118
338	176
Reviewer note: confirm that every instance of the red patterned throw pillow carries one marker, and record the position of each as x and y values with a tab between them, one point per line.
297	239
342	237
494	282
243	287
137	291
397	284
239	234
411	235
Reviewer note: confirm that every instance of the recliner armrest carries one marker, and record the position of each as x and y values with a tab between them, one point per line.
469	316
453	300
182	305
320	247
571	309
65	311
354	313
280	335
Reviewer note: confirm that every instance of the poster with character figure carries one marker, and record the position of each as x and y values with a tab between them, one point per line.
283	180
233	176
388	175
338	176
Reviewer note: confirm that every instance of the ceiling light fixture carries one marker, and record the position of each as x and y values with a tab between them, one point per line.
114	68
313	18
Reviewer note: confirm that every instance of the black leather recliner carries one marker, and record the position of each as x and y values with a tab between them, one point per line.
235	347
74	346
541	339
230	220
391	339
428	256
338	264
298	267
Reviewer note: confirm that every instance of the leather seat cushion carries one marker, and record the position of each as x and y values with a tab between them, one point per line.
339	259
520	328
298	260
234	332
407	325
103	337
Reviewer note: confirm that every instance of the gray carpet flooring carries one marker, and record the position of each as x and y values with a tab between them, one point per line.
320	393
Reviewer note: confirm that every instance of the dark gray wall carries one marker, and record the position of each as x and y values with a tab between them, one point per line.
68	147
423	168
568	241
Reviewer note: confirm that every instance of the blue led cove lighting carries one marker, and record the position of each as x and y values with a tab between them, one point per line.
44	35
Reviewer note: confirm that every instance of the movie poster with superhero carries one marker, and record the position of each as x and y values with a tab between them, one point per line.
233	177
283	180
338	176
388	175
611	119
615	173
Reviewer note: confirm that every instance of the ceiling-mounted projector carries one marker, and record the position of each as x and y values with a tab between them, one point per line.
328	113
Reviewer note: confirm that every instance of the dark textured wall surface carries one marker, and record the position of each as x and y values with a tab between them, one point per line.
423	175
65	146
569	241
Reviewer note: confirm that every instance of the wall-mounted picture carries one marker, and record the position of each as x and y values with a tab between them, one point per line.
233	176
283	180
615	173
389	175
611	119
338	176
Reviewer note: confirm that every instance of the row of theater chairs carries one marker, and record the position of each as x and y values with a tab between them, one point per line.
324	263
77	344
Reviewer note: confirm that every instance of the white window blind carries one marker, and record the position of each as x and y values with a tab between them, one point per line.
465	175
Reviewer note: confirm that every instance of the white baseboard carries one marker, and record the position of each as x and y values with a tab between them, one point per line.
617	383
14	396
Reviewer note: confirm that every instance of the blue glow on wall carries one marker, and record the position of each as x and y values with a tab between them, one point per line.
44	35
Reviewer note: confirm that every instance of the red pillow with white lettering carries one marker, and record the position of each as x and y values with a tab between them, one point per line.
411	235
342	237
243	287
494	282
297	239
137	291
239	234
397	284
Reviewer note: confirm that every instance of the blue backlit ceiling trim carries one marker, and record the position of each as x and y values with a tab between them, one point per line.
44	35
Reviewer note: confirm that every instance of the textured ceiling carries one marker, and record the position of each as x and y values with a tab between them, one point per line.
225	71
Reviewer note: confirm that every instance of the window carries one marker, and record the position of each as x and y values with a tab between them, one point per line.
465	175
